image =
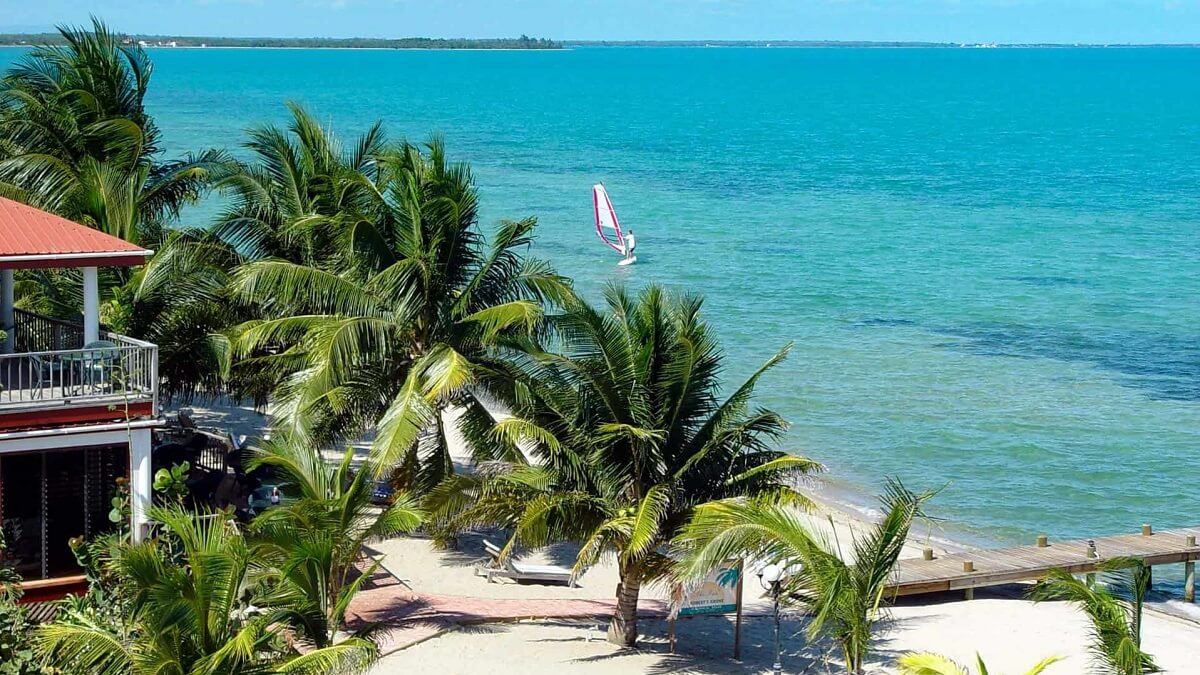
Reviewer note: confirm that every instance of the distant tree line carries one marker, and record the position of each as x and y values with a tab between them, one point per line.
751	43
523	42
858	44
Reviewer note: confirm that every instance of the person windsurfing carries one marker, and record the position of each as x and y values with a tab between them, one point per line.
608	228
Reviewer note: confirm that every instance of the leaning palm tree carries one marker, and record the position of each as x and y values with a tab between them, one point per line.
925	663
1114	608
189	610
312	548
627	438
844	591
397	322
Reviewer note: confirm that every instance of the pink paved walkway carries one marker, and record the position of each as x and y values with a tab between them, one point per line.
413	617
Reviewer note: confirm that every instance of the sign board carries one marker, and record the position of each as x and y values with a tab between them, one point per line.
718	594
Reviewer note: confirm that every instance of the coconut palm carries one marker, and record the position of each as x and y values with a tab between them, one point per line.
189	591
627	438
79	142
289	201
925	663
1114	608
313	546
844	591
302	193
398	322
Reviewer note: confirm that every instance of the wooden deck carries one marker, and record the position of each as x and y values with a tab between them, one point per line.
1025	563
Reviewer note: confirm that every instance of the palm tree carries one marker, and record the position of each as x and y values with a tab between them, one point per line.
935	664
79	142
313	546
627	438
1114	609
845	594
180	301
291	201
188	592
302	194
394	321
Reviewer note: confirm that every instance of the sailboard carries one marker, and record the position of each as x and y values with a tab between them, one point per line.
607	226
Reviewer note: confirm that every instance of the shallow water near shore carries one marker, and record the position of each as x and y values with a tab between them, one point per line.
988	261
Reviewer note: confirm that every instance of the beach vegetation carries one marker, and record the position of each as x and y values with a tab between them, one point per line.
1113	608
843	590
313	546
388	313
618	436
190	600
925	663
17	655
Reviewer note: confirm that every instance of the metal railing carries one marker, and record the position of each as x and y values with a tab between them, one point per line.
112	371
37	333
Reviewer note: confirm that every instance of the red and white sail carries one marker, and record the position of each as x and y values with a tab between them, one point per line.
607	225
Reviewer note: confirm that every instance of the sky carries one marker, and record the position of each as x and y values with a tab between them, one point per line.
1063	21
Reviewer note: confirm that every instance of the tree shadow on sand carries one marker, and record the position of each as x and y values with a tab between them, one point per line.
705	646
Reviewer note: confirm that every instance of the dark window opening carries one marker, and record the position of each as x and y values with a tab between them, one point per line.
49	497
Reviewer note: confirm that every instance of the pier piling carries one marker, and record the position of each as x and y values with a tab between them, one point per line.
1189	573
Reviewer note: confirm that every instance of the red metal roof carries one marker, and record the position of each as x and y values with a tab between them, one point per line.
33	238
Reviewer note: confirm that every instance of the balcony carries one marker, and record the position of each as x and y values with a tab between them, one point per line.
52	368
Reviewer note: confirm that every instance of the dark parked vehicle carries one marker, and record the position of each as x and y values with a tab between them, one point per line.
383	494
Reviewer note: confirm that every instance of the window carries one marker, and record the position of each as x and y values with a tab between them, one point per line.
48	497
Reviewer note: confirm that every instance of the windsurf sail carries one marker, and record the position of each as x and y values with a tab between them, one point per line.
607	225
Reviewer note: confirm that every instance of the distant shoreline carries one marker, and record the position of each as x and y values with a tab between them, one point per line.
522	43
856	44
525	43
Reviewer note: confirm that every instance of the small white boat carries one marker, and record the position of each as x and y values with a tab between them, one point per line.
608	227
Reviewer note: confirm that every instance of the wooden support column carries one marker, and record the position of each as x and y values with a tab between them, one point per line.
1189	573
1091	553
1148	531
969	593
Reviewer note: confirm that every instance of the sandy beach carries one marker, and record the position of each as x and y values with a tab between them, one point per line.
1009	632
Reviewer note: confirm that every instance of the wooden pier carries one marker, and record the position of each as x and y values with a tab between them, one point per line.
976	569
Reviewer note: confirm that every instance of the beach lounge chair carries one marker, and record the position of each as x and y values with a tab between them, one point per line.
520	572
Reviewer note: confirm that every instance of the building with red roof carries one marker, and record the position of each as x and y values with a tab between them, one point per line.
78	404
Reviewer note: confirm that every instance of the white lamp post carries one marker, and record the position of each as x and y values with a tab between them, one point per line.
769	577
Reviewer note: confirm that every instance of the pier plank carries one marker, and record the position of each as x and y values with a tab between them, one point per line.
1027	563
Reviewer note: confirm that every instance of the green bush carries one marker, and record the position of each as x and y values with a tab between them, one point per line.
16	652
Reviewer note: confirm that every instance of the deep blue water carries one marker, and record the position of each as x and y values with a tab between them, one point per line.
988	260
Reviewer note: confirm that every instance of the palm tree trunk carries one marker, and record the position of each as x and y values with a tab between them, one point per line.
622	630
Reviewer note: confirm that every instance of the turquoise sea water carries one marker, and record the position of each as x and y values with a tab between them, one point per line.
988	260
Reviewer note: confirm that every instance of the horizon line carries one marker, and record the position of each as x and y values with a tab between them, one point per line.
640	41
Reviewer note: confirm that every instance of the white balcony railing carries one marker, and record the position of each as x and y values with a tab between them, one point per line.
52	368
